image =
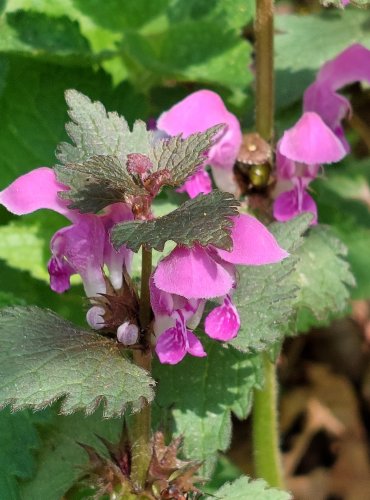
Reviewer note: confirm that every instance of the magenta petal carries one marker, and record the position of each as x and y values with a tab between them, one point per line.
223	322
60	273
195	347
82	246
253	244
312	142
324	101
290	204
196	113
351	65
193	274
171	348
33	191
198	183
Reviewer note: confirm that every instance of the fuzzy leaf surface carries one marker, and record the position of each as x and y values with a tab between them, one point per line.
94	131
43	358
323	276
204	220
181	157
245	488
266	295
202	393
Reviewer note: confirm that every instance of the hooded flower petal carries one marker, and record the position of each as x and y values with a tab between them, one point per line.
253	244
33	191
81	246
351	65
198	183
223	322
312	142
196	113
193	274
292	203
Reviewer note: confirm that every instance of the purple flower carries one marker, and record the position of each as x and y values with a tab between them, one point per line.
188	276
351	65
302	149
196	113
82	248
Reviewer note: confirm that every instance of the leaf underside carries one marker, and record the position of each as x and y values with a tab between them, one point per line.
204	220
245	488
44	358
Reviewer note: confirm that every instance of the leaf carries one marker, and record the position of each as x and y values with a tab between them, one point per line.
19	439
266	295
182	157
96	167
94	131
60	460
202	393
36	35
304	43
244	488
204	220
44	357
96	183
339	4
322	276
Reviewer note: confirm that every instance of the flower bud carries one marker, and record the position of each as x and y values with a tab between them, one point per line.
127	333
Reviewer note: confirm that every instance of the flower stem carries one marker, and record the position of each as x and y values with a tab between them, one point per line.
267	461
141	421
265	429
265	90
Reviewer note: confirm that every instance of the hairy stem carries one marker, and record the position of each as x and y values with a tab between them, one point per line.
265	417
265	90
141	426
267	461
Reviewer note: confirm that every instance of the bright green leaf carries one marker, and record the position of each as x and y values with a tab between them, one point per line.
202	393
44	358
244	489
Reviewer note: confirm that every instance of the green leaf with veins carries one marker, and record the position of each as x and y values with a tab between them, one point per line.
246	488
204	220
202	393
44	358
266	295
94	131
97	183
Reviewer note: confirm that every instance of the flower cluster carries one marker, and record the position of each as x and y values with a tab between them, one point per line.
318	137
185	279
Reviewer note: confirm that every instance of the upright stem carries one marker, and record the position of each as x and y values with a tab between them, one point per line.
265	90
141	426
265	418
267	461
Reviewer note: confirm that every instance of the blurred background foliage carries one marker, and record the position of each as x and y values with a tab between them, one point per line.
139	58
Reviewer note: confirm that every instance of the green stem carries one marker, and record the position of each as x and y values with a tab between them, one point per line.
265	81
265	417
141	421
267	460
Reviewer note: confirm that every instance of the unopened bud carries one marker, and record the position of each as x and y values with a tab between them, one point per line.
94	317
127	333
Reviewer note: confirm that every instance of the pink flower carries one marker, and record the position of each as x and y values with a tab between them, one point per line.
351	65
188	276
82	248
302	149
196	113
